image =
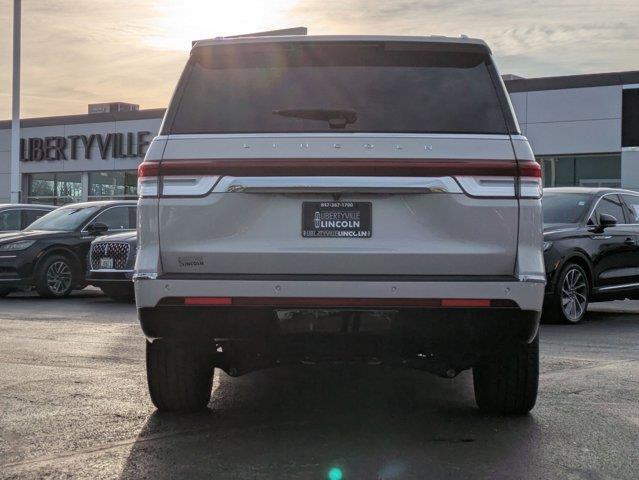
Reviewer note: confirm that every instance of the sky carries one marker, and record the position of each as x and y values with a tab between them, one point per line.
76	52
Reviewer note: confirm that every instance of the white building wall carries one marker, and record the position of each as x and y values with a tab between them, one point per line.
571	121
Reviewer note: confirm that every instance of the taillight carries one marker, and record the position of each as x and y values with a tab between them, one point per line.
477	178
488	186
530	180
148	179
530	187
527	185
187	186
148	187
150	184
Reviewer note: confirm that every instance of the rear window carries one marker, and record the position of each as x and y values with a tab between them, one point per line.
371	87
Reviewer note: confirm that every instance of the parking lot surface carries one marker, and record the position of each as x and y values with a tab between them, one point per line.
74	403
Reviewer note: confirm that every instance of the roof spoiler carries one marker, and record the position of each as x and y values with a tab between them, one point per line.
269	33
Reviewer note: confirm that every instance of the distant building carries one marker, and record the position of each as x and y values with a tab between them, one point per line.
112	107
584	130
73	158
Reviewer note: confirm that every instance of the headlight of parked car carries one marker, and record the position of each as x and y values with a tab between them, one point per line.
547	245
15	246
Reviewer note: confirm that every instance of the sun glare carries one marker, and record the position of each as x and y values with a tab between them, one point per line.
177	23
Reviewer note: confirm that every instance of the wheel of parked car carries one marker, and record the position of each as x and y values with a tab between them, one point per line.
506	383
570	300
56	277
180	377
119	293
4	292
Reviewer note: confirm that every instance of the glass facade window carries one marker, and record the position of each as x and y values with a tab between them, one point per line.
601	170
54	188
68	188
113	185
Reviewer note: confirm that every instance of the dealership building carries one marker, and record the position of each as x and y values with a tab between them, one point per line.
584	130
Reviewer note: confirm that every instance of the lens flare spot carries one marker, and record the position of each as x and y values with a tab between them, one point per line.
335	473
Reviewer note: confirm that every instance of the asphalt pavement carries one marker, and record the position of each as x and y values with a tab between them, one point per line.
74	404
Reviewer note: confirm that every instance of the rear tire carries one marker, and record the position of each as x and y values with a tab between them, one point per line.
4	292
180	379
507	382
569	303
55	277
119	293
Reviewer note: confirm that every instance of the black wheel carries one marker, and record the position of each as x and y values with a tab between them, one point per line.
4	292
179	376
119	293
507	382
570	300
56	277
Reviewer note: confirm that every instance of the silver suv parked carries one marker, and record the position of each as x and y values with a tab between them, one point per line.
332	198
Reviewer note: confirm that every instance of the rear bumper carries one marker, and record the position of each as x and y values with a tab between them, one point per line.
253	335
526	295
109	277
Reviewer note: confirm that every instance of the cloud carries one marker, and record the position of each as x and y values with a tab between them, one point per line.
555	37
79	52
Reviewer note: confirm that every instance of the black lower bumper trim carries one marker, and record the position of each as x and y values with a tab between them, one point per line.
442	330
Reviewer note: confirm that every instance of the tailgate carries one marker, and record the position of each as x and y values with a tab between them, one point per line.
418	205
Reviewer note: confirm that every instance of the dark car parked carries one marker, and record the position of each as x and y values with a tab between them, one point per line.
17	216
50	255
591	248
111	264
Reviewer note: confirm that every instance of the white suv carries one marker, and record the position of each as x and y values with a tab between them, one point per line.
339	198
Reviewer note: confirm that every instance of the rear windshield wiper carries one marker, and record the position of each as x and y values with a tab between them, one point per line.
335	118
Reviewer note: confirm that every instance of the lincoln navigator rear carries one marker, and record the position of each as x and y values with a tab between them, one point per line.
340	199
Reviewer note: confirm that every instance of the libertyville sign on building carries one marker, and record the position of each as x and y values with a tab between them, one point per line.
72	147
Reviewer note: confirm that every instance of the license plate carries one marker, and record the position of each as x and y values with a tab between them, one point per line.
106	263
337	219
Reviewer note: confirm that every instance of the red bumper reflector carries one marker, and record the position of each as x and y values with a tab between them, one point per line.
278	302
208	301
465	302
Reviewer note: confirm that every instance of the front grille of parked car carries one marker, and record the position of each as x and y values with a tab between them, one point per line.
118	251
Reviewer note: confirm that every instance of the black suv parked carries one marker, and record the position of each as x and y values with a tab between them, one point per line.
590	248
50	255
